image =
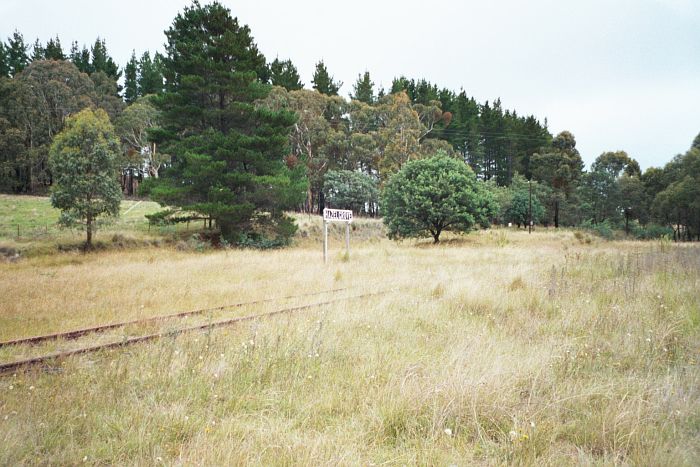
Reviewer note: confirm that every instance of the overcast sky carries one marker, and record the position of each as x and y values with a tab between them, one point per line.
618	74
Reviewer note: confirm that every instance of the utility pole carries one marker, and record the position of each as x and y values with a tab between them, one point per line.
529	224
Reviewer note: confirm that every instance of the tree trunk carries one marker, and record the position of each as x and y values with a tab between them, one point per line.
556	214
88	225
321	202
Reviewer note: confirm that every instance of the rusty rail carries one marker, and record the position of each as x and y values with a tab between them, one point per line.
94	329
11	366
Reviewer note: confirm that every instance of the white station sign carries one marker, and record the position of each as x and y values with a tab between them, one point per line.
337	215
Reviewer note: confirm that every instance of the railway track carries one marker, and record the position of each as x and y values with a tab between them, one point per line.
42	359
96	329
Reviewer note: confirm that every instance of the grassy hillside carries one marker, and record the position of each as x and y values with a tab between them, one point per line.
500	347
28	224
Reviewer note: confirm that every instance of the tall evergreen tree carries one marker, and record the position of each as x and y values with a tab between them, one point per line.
323	82
101	61
80	58
285	74
4	66
53	50
150	79
399	84
38	52
17	58
696	142
227	153
364	89
131	90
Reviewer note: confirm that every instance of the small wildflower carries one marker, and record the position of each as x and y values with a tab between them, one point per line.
11	387
448	432
532	424
31	388
159	459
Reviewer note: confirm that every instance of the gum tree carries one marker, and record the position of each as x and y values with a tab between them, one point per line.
84	160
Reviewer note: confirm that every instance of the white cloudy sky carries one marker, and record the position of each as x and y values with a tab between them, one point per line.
619	74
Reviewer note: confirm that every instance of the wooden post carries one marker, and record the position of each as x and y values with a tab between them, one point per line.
347	239
325	242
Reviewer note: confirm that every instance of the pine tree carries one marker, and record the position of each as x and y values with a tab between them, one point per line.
150	79
131	91
323	82
285	74
17	58
227	153
53	50
399	84
80	58
364	89
4	67
101	61
38	52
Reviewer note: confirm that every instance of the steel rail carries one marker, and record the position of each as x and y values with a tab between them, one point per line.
11	366
94	329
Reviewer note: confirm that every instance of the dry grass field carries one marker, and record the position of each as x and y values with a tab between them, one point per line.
494	348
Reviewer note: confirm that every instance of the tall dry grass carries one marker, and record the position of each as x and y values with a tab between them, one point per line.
496	348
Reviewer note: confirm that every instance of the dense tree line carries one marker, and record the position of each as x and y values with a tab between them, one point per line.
229	125
38	92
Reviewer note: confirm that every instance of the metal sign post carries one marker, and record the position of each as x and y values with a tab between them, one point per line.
336	215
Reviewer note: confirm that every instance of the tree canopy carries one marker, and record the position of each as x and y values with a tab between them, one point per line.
233	134
227	152
323	82
84	163
429	196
